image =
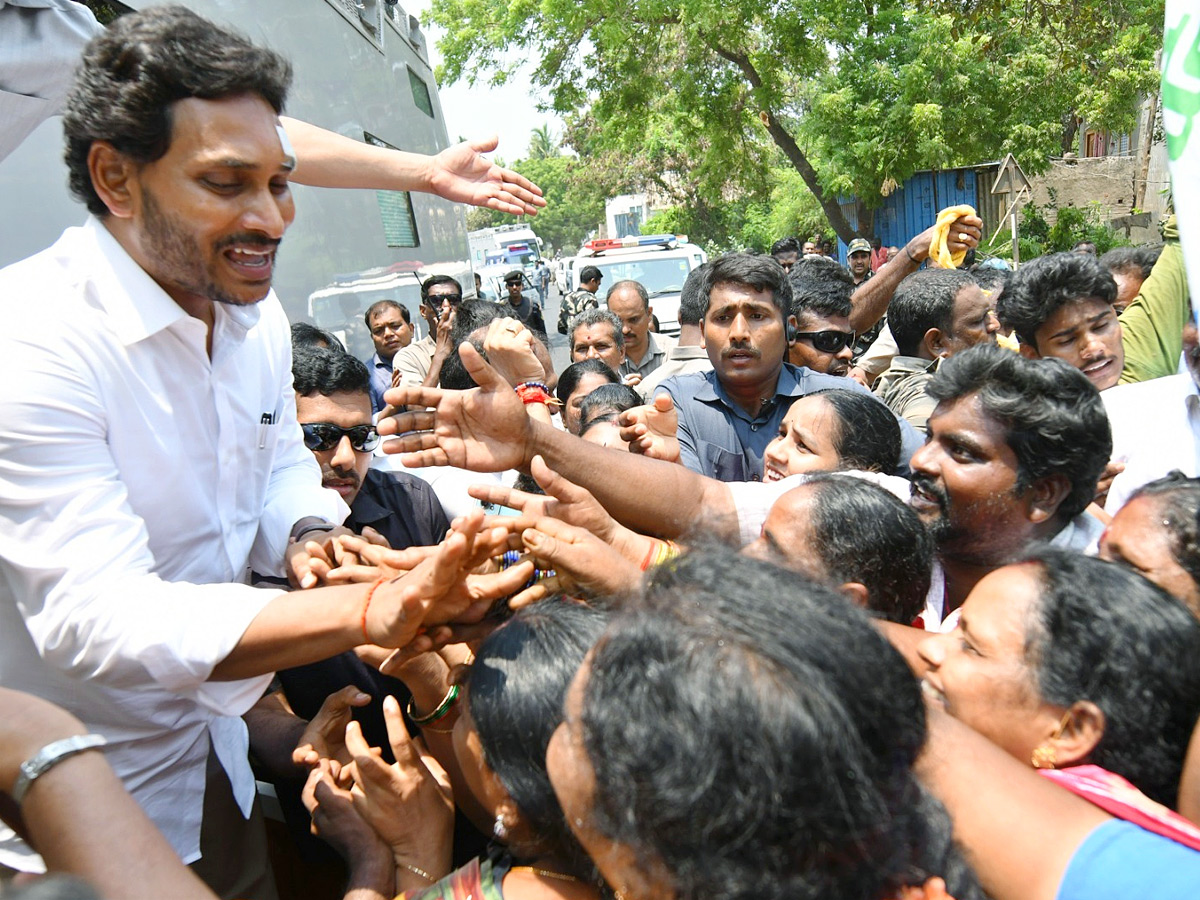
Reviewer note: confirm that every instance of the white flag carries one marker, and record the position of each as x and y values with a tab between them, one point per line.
1181	122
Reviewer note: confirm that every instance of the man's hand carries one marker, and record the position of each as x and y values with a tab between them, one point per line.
508	347
462	175
325	736
484	429
965	233
339	825
308	560
582	563
651	429
442	346
1111	470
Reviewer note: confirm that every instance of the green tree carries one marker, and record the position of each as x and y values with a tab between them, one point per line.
542	144
853	96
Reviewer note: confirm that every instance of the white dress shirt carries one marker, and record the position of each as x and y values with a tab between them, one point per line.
138	482
1155	428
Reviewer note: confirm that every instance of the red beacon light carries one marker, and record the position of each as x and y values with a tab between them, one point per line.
635	240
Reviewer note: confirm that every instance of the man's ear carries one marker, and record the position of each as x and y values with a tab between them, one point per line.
856	593
934	343
1082	729
112	174
1046	495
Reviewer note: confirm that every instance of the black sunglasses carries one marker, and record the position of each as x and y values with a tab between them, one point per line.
324	436
827	341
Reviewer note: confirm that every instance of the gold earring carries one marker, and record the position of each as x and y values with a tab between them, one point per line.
1044	758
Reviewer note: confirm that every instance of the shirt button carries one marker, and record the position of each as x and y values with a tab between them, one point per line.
754	428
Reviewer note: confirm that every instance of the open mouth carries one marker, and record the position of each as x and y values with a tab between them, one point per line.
254	264
924	496
1100	369
932	693
770	473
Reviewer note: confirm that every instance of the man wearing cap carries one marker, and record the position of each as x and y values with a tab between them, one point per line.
580	299
858	260
524	309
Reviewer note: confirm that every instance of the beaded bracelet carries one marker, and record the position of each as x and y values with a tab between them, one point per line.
440	712
533	392
512	557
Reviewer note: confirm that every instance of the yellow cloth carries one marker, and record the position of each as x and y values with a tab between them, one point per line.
939	250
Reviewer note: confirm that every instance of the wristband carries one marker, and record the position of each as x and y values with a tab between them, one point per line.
440	712
49	757
308	525
533	392
367	605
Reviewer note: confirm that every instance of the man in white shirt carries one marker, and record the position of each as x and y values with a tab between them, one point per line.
151	455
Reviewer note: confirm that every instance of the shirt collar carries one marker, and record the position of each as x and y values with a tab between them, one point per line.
790	385
136	304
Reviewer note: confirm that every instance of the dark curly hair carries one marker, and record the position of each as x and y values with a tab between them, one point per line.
1102	633
759	272
316	370
1056	422
924	300
1047	283
139	67
821	285
753	736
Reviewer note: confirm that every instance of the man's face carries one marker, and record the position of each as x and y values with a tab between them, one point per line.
804	351
389	332
964	485
1087	334
592	285
342	467
514	292
440	298
626	305
597	341
859	262
787	260
809	248
206	218
972	321
744	335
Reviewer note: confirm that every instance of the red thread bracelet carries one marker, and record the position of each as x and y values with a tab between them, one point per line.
650	554
367	605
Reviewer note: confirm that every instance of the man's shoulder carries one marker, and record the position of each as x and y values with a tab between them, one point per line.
689	384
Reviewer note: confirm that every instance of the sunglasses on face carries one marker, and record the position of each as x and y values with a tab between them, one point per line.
827	341
324	436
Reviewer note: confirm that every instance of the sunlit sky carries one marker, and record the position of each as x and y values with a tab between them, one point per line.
509	111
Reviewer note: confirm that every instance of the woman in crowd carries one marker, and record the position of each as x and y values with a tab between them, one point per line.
576	382
511	702
1066	661
711	748
832	430
1157	534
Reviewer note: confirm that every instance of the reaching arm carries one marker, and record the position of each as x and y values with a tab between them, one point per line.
871	299
459	173
486	430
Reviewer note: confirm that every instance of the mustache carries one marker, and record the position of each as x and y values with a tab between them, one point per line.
329	474
753	351
254	239
928	486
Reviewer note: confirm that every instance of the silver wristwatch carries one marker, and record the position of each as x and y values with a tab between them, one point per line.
49	757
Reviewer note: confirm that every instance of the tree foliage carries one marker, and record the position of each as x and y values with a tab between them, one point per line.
708	98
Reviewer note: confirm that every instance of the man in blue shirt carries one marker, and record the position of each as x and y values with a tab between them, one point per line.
729	415
391	331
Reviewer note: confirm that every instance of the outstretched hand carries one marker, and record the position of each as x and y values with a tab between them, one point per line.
484	429
461	174
651	429
582	563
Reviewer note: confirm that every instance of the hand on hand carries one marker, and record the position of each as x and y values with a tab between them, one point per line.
651	429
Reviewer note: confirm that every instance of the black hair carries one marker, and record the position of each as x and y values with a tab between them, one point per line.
379	305
470	316
589	273
1055	419
638	287
759	272
868	435
753	736
691	307
821	285
326	372
1138	261
1102	633
991	279
785	245
1049	282
515	699
1178	501
865	533
133	73
924	300
607	399
573	374
306	336
433	280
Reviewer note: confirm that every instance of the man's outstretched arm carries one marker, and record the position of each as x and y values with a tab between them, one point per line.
486	430
459	173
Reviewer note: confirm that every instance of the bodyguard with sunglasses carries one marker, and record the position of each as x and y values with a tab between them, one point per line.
823	340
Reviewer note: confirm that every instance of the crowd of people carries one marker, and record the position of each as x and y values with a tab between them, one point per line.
764	611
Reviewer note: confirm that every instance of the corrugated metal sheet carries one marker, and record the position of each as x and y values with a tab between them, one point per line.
913	206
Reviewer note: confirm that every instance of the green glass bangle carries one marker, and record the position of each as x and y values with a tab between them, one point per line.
440	712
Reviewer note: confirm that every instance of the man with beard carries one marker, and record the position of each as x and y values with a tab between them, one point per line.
151	452
1014	452
823	339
